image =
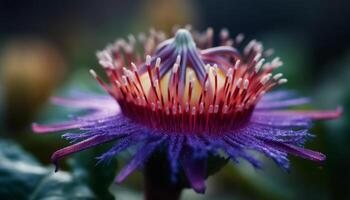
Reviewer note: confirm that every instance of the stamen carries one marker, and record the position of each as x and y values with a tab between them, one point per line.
196	101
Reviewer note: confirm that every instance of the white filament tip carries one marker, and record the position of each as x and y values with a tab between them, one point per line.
216	108
131	38
283	80
258	65
93	73
224	33
125	71
245	84
237	64
249	47
225	109
210	32
229	78
206	86
174	109
277	76
118	83
133	67
153	106
148	60
239	38
257	57
178	59
201	107
211	109
180	109
258	47
175	68
238	83
265	79
193	110
229	72
207	67
276	62
158	62
155	83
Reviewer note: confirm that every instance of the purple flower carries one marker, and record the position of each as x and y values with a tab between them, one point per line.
193	100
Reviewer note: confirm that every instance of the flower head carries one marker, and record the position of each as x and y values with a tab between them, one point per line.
192	99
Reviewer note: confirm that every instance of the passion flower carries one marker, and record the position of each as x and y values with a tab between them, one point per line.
192	100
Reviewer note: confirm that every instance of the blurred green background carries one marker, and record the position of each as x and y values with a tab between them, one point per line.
47	47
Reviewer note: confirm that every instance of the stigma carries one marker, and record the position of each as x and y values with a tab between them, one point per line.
184	85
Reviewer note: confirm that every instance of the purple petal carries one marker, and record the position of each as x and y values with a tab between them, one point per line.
168	63
195	169
197	64
222	50
85	144
182	71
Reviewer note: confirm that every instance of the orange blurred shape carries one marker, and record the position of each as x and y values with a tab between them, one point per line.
30	70
164	14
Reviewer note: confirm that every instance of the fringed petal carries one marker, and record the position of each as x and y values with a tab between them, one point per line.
236	150
315	115
101	109
42	129
249	142
298	151
277	95
280	120
282	103
139	158
174	149
87	103
121	145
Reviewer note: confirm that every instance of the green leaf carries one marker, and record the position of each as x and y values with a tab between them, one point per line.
23	177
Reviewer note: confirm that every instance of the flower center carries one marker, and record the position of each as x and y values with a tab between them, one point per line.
184	89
